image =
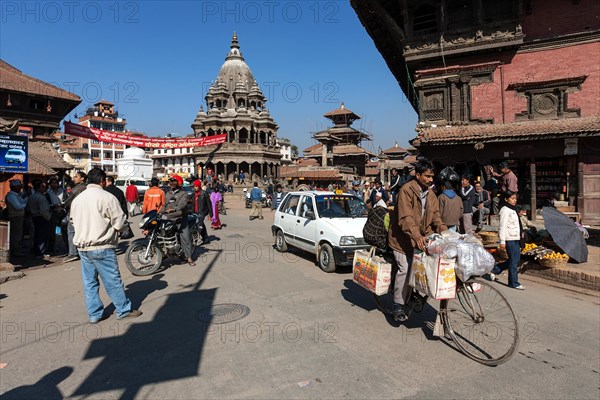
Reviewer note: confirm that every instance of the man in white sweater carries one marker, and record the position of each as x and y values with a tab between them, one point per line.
98	217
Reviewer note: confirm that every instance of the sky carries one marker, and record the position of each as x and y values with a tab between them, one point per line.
155	60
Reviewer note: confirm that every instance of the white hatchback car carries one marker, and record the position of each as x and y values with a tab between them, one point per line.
326	224
16	156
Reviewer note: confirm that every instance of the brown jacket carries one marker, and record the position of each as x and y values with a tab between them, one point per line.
406	223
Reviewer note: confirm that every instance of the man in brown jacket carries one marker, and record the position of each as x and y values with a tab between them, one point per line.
417	216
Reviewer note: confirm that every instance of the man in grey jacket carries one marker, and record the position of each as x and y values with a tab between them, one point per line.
97	218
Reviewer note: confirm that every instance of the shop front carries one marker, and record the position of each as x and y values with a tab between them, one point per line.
557	162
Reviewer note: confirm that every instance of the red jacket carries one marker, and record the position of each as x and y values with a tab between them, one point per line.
131	194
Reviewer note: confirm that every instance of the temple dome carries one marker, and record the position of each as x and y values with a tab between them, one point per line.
235	70
134	152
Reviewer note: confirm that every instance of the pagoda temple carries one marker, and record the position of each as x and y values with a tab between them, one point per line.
237	108
339	146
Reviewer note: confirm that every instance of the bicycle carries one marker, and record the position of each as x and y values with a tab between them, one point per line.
479	320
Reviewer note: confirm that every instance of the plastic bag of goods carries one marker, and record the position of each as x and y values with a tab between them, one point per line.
440	245
473	260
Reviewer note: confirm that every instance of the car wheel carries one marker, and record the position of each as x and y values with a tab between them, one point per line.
326	258
280	244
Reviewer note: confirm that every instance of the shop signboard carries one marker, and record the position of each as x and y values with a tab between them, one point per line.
14	154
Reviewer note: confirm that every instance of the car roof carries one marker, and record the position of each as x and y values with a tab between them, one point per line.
318	193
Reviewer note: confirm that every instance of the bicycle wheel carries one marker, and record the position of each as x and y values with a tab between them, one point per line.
482	323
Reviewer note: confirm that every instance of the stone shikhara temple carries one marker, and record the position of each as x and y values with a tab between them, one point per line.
236	107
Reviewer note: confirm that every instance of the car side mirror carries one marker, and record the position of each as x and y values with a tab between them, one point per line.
310	214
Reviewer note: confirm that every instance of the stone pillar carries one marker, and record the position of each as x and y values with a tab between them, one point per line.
237	136
237	168
324	155
262	170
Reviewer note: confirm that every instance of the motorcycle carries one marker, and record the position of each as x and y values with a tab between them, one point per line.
266	200
145	256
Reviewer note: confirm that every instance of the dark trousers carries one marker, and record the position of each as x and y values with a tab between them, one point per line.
513	249
185	237
201	226
56	220
40	235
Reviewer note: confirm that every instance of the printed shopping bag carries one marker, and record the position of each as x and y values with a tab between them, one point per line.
441	278
372	272
433	276
418	276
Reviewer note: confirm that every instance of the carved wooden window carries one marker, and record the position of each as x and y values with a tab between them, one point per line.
425	20
548	99
434	105
459	14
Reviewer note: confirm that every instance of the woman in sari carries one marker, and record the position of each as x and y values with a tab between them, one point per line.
215	198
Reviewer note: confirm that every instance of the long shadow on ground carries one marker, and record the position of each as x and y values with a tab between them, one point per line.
167	348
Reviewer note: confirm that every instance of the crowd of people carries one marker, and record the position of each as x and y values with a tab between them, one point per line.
422	203
90	212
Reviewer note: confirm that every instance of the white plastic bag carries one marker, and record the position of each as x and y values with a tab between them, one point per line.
473	260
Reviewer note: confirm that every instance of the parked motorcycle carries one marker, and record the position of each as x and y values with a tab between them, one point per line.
144	256
266	200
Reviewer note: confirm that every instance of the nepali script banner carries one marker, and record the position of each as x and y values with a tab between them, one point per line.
141	141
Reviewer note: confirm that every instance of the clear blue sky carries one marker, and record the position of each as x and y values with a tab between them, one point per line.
155	59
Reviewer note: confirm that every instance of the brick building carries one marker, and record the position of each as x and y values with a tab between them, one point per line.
35	109
512	80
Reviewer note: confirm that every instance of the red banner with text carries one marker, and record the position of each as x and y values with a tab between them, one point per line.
141	141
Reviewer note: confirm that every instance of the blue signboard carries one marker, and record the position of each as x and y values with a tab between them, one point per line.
13	153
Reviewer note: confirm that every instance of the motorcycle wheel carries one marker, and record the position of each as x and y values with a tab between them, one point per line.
196	238
140	265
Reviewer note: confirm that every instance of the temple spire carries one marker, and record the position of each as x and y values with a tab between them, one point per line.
234	51
234	41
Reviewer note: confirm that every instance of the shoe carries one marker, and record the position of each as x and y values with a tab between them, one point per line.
399	313
260	218
102	318
70	259
493	277
191	263
519	287
132	314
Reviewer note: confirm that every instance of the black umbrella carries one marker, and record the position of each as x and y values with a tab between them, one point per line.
565	234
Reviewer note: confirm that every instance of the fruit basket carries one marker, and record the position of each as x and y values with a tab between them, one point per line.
500	255
553	260
488	237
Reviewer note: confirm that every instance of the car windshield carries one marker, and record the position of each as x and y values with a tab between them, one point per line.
340	206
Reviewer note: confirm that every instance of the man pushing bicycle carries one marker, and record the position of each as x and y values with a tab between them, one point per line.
417	215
